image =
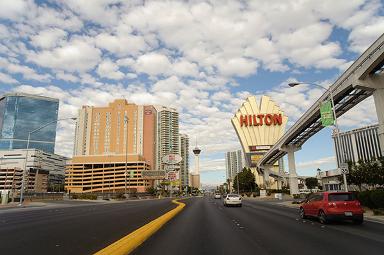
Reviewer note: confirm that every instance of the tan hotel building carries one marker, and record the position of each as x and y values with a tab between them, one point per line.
105	136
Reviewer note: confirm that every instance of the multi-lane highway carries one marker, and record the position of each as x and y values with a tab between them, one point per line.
206	227
74	228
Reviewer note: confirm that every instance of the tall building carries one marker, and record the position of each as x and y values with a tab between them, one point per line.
358	144
21	113
116	143
110	130
184	164
234	163
167	133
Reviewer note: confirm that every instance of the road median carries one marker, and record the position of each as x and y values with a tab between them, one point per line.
133	240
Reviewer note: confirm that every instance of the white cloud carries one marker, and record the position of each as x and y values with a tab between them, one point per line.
318	163
237	67
75	56
108	69
5	78
13	9
153	64
27	72
48	38
67	77
121	45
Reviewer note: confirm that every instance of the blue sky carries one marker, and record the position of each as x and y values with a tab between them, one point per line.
202	57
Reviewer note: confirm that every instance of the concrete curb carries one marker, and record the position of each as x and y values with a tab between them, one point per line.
133	240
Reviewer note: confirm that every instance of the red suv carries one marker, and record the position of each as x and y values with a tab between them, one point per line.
328	206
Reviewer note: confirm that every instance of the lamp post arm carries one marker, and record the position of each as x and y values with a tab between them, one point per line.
49	123
26	156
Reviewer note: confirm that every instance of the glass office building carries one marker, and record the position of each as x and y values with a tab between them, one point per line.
21	113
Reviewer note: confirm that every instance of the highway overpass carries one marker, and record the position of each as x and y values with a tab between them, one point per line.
365	77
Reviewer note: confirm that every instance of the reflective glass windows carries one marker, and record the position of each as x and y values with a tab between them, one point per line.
26	113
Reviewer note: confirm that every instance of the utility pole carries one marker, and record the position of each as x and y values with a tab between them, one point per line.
126	153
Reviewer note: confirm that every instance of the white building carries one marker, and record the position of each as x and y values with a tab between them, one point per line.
358	144
167	140
330	180
234	163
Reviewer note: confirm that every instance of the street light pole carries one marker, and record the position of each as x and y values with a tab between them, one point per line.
126	153
337	135
26	155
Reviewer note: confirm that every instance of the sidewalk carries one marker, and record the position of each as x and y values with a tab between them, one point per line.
368	214
26	204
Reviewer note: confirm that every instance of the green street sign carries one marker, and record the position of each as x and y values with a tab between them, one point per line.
131	174
326	113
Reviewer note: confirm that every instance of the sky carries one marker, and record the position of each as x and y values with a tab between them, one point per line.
201	57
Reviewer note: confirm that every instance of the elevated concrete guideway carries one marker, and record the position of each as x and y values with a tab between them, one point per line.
362	79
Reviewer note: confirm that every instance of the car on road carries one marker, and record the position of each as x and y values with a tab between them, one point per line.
329	206
217	196
232	199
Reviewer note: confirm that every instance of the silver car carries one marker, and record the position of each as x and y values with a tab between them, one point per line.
232	199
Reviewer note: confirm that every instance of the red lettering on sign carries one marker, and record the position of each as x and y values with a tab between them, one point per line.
261	119
277	119
260	116
255	120
268	119
243	121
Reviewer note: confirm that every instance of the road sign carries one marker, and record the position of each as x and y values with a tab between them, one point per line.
344	168
153	175
171	167
172	176
171	159
326	113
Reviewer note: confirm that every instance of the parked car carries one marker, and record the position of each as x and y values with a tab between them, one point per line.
329	206
232	199
217	196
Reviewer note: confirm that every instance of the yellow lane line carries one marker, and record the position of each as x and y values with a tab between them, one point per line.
133	240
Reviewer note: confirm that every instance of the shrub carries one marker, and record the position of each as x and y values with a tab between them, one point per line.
377	198
365	198
120	196
296	196
378	211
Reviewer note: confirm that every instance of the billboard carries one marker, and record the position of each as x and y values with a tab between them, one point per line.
153	175
171	159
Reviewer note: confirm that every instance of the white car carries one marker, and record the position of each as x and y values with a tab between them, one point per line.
232	199
217	196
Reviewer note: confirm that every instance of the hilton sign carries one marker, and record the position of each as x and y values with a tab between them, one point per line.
261	119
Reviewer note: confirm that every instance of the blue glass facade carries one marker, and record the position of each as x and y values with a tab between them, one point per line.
20	114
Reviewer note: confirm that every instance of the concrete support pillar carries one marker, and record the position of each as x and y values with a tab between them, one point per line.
293	181
266	176
378	96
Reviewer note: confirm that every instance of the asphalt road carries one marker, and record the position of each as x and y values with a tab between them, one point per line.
73	228
206	227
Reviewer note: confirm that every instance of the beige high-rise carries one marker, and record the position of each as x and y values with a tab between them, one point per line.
105	139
